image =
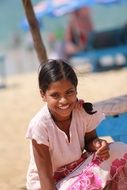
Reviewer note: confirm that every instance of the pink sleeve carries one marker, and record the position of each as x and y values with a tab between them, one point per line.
94	120
38	133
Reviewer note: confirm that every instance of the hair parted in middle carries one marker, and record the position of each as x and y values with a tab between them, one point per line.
55	70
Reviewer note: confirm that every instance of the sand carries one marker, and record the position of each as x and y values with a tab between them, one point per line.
21	100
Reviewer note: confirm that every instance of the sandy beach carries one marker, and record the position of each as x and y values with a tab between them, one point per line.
21	100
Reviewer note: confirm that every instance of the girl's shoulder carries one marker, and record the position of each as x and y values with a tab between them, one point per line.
87	112
38	127
41	117
80	114
89	120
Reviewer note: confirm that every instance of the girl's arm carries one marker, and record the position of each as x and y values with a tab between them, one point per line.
94	144
44	166
89	138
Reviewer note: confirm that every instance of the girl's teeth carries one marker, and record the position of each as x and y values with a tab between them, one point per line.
64	107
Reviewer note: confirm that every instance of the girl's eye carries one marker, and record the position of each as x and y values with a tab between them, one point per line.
71	92
55	95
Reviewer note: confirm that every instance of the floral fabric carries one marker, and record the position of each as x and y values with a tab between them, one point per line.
96	174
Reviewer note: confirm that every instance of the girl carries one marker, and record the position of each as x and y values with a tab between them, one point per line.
65	151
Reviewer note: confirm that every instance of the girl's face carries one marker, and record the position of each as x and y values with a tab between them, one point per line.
60	98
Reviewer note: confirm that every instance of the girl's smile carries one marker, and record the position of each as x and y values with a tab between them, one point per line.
64	107
61	99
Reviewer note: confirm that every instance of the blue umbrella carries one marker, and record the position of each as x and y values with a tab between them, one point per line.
56	8
61	7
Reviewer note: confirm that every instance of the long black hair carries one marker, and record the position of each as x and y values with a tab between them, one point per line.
54	70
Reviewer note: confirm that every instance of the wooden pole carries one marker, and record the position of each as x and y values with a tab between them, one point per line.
34	28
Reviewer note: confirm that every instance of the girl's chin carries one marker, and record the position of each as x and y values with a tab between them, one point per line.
63	114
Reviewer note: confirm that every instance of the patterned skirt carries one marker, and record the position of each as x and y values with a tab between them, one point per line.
91	173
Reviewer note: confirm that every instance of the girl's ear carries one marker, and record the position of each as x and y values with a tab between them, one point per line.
76	91
42	95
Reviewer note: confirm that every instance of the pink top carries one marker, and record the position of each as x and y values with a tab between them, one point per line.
43	129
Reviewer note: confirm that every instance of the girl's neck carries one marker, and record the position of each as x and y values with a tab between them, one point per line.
60	119
63	124
66	119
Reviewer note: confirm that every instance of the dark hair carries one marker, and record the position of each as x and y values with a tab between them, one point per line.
54	70
88	107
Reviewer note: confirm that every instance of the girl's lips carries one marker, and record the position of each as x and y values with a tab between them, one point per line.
64	107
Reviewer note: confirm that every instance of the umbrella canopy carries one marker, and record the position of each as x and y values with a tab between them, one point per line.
61	7
55	8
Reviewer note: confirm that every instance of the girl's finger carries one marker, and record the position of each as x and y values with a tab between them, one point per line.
97	143
79	103
102	152
104	155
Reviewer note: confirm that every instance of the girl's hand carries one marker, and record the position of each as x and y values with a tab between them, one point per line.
79	103
102	148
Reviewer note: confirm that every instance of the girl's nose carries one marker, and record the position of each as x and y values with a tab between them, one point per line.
63	100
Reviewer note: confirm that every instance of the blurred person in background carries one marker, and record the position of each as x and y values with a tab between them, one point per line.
77	32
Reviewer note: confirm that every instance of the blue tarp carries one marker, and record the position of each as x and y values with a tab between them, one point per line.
114	126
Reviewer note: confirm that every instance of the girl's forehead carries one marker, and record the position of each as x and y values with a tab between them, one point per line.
61	84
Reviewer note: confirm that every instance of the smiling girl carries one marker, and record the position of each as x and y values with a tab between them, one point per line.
65	151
